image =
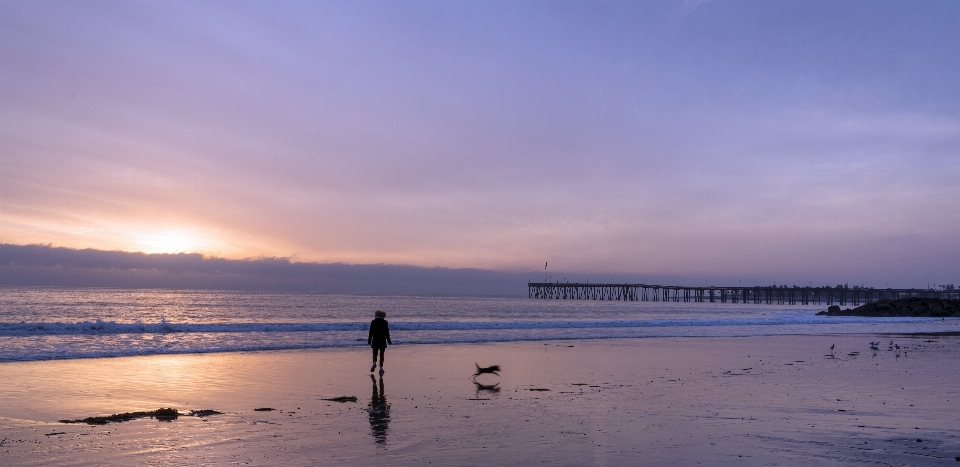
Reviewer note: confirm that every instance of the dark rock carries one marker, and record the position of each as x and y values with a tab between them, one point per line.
913	306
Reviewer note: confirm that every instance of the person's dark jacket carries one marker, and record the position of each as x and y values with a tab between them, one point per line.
379	335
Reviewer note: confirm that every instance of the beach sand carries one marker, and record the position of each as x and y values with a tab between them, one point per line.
781	400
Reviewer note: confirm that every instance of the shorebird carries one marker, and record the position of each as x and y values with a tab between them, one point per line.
874	345
832	346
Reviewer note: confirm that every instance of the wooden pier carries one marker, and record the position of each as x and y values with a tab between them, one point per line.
780	295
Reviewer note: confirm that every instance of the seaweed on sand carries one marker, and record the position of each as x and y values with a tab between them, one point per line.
342	399
164	415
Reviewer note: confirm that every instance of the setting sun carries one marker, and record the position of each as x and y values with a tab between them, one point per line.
173	241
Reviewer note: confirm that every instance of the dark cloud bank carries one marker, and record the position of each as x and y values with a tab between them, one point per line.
45	265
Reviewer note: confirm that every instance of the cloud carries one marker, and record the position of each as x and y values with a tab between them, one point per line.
46	265
765	140
31	265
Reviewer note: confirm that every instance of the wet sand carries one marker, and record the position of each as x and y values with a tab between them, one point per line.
781	400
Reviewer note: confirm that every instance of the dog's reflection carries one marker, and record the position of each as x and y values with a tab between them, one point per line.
379	412
493	388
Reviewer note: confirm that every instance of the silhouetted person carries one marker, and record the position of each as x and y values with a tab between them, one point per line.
378	338
379	411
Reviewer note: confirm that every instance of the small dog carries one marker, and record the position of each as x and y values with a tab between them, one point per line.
490	369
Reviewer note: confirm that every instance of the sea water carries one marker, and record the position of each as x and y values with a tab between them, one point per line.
42	323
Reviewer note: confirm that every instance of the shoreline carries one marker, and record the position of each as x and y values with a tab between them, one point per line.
655	401
490	342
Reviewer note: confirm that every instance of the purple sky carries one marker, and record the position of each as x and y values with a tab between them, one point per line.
712	140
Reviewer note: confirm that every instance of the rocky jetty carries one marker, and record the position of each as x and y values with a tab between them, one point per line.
913	306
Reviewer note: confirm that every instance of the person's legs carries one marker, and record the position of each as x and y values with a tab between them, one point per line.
373	366
382	350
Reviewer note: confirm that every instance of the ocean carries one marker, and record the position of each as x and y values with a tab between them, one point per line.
44	323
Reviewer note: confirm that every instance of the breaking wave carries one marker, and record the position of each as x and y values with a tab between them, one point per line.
164	327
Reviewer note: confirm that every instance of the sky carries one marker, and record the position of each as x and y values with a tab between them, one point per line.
711	141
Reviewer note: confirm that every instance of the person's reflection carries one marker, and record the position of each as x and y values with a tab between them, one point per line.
379	411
